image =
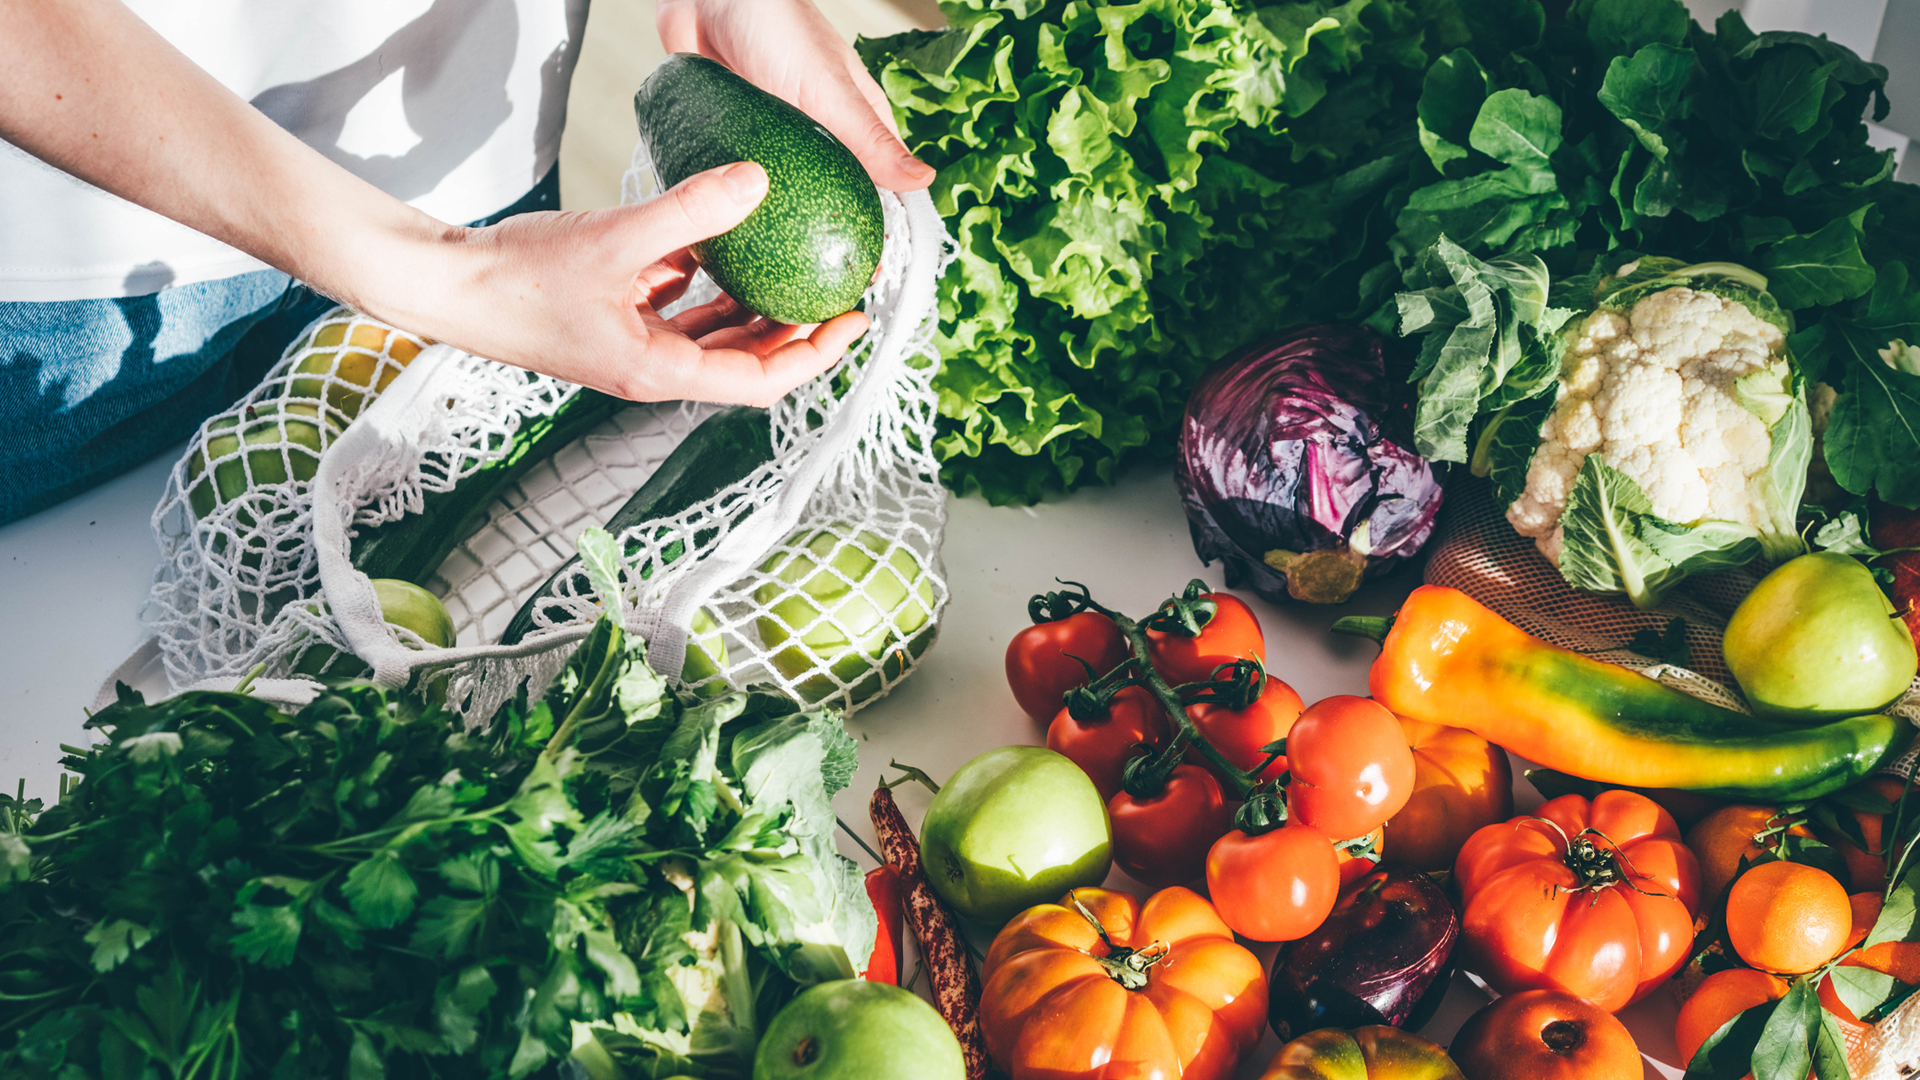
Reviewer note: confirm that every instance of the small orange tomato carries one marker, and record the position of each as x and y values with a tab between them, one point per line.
1102	985
1277	885
1351	766
1368	1053
1461	783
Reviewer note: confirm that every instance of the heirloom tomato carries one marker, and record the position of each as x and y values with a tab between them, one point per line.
1102	746
1593	899
1163	839
1274	886
1231	634
1239	734
1367	1053
1351	767
1102	985
1461	783
1041	664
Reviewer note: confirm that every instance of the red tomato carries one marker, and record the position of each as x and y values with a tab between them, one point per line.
1591	899
1232	634
1277	886
1163	840
1040	664
1103	747
1351	767
1240	733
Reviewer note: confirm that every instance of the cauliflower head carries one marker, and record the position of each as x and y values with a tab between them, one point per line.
1680	393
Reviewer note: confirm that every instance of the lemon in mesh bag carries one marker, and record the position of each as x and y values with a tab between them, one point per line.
346	356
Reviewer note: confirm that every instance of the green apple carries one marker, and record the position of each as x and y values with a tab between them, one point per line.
1817	639
282	441
851	1029
1014	827
402	604
850	611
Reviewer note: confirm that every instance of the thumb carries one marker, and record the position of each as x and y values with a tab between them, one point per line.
703	205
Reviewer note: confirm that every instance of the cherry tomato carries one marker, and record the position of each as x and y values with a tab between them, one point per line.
1163	840
1232	634
1103	747
1240	733
1277	886
1351	766
1040	664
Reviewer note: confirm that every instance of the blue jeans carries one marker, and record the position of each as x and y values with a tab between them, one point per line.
91	388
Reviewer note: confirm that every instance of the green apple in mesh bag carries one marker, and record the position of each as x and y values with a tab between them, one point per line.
835	603
402	604
269	443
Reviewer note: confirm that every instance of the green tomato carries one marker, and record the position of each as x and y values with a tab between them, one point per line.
1817	640
851	1029
1014	827
402	604
868	613
261	431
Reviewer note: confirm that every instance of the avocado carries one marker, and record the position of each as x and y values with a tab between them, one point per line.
808	252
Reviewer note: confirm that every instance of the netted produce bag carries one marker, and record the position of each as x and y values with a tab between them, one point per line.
1479	553
817	570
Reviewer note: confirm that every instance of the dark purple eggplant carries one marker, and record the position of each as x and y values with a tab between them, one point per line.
1384	956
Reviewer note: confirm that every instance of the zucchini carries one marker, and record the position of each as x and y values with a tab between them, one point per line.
722	450
413	547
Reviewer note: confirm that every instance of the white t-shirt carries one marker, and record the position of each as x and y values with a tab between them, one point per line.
455	106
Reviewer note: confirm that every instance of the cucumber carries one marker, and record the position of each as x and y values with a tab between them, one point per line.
413	547
807	252
721	451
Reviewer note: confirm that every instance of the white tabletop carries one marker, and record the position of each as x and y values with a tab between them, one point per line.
72	580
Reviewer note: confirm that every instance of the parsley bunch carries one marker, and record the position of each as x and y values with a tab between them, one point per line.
366	889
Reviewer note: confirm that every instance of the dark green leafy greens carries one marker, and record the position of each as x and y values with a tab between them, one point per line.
1627	128
364	889
1138	189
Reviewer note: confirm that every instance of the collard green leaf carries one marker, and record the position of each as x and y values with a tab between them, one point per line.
1823	267
1622	27
1455	88
1648	93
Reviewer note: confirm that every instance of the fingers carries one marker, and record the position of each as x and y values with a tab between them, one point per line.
701	206
853	108
666	281
740	376
698	322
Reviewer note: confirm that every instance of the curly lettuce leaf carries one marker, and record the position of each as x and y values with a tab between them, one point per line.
1136	190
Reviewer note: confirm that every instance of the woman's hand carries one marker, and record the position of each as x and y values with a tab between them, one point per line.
787	48
580	314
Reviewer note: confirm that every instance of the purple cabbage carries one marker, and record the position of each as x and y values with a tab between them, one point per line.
1296	467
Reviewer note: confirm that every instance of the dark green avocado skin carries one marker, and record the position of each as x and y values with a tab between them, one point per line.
808	252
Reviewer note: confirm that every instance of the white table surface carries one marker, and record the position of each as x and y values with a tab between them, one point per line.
73	578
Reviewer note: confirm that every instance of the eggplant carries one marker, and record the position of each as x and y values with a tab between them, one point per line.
1384	956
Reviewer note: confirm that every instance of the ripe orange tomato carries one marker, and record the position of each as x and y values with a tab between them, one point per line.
1545	1035
1351	766
1593	899
1275	886
1367	1053
1232	634
1159	989
1461	783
